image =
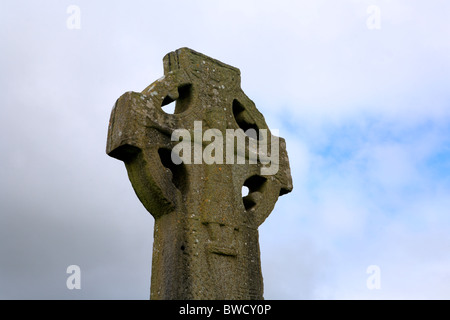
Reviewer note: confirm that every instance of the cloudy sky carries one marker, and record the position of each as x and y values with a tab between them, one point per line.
359	90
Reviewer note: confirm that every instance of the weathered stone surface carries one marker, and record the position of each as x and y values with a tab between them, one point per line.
206	234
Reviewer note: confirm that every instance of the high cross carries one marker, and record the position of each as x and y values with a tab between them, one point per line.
206	231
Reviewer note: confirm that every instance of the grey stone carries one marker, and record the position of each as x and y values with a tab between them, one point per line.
206	233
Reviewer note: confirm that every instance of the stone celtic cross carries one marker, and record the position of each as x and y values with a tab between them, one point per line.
206	232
